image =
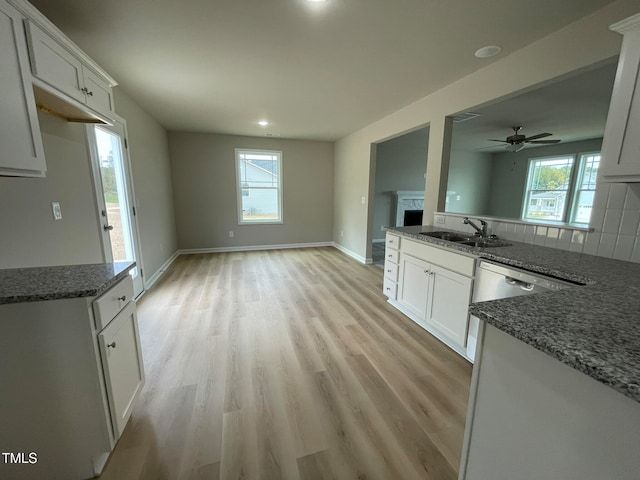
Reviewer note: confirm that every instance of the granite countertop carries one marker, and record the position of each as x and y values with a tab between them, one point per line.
594	327
18	285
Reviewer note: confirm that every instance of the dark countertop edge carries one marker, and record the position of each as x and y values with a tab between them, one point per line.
121	269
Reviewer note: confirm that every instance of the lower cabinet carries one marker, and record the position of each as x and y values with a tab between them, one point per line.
68	384
122	364
434	296
448	303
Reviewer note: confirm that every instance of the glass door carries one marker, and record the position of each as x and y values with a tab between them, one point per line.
116	202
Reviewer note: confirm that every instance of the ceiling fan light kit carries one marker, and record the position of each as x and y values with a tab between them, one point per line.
516	142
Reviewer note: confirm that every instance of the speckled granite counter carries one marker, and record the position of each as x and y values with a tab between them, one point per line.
594	328
34	284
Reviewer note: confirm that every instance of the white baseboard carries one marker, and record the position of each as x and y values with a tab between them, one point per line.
353	255
154	278
250	248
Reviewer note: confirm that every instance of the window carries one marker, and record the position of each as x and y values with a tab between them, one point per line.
557	193
259	185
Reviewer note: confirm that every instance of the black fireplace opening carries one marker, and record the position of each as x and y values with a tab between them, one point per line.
412	217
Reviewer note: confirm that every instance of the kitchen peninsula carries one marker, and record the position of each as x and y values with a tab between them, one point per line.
556	382
71	366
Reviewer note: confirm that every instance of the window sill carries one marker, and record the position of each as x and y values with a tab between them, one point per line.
570	226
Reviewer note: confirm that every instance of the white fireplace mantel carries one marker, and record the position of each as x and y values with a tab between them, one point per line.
407	200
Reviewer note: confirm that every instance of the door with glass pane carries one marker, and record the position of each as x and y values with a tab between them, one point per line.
116	203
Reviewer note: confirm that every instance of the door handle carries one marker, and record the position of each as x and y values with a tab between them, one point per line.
108	227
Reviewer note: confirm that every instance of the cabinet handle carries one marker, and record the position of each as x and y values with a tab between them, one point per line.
108	228
90	93
112	344
122	298
84	89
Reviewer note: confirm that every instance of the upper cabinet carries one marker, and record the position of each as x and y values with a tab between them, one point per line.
22	153
42	69
621	144
61	73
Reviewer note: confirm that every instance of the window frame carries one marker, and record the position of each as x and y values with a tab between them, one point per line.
569	210
240	188
582	156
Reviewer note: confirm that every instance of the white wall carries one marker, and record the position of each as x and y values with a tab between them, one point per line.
149	153
576	46
401	164
204	182
30	236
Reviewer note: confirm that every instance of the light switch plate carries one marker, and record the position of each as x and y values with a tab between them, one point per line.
57	211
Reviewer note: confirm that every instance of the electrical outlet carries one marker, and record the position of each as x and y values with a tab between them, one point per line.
341	233
363	200
440	219
382	228
230	233
57	211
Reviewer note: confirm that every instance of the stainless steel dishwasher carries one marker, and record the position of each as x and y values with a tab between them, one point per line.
494	281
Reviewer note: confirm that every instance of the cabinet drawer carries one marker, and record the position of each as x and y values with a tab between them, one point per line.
391	271
112	301
390	256
122	366
392	241
389	288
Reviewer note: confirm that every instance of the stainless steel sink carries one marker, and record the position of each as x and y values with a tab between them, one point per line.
448	236
485	243
471	240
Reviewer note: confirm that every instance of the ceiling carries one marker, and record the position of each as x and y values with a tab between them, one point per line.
572	109
314	71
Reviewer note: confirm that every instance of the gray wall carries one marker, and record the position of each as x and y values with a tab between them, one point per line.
204	183
400	165
30	237
149	153
469	182
509	174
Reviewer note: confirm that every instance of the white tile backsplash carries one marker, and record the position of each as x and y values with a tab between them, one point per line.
629	222
612	221
624	247
617	196
615	220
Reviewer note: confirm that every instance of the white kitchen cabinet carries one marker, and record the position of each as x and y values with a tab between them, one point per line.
64	73
621	143
448	303
390	282
434	290
67	394
414	286
22	152
122	364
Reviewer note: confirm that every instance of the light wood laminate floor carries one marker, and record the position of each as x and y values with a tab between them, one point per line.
287	364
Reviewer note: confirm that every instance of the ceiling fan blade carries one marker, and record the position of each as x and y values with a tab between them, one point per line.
535	137
544	141
492	146
493	140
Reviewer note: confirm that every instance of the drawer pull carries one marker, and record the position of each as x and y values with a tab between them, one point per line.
112	344
122	298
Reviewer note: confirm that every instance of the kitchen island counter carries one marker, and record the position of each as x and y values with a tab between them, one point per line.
593	327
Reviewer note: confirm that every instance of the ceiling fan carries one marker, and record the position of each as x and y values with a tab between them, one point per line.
516	142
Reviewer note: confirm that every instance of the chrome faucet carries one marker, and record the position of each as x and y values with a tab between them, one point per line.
480	232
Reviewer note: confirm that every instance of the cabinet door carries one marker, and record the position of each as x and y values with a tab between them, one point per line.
448	309
621	144
22	153
122	365
54	64
413	285
99	93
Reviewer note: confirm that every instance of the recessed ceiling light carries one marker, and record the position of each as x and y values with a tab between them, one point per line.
263	123
488	51
316	1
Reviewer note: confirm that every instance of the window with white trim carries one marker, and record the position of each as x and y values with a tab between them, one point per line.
259	186
558	192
